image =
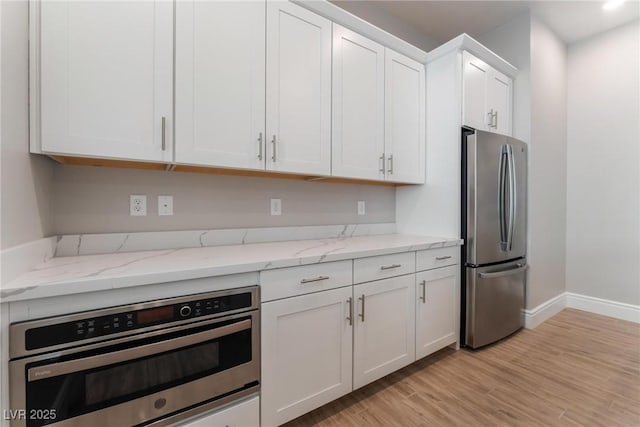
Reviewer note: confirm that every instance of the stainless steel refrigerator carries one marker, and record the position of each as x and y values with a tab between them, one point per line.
494	203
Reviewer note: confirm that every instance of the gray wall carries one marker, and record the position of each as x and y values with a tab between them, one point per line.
96	200
368	11
548	165
603	182
25	179
540	120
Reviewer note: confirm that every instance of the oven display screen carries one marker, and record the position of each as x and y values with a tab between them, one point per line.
153	315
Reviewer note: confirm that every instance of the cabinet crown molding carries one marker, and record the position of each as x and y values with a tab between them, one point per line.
468	43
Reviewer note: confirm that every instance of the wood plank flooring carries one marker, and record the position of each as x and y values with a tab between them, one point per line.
575	369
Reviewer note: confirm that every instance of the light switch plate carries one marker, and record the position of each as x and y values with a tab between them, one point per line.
361	207
137	205
276	207
165	205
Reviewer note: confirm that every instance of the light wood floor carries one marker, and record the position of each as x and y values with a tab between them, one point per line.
575	369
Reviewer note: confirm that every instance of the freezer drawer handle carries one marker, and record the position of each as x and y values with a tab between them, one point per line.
442	258
519	269
389	267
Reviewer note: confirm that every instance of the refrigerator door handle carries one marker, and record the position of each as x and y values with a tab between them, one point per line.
512	196
502	182
519	269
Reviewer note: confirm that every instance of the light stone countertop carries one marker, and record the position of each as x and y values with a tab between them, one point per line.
88	273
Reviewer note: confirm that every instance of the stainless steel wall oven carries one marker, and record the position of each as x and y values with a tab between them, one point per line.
152	363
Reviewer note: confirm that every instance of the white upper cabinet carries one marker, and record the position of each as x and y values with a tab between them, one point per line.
357	106
105	79
220	83
404	119
499	90
298	90
486	96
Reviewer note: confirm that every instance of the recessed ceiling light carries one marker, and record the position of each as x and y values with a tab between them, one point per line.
612	4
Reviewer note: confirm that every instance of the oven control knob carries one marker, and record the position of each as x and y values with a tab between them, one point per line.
185	310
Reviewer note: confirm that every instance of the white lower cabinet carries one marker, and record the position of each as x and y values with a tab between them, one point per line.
437	309
384	332
243	414
306	353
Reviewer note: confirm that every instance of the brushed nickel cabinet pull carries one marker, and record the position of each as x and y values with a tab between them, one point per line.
273	146
317	279
164	133
350	318
440	258
260	146
381	158
389	267
391	164
362	313
423	298
490	113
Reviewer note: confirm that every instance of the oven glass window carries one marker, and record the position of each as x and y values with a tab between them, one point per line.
144	374
94	388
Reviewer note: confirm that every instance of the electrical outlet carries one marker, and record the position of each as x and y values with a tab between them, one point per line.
276	207
165	205
137	205
361	207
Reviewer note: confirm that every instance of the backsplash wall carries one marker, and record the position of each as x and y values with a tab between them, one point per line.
88	199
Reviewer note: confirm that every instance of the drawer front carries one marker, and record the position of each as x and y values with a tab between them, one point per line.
381	267
292	281
435	258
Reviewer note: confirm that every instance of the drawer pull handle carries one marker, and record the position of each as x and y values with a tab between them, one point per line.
441	258
350	318
362	313
423	298
317	279
389	267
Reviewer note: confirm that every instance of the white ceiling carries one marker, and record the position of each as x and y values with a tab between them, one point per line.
570	20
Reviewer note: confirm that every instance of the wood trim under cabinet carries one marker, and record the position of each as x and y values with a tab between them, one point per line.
84	161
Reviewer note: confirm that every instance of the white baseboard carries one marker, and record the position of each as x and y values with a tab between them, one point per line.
618	310
546	310
553	306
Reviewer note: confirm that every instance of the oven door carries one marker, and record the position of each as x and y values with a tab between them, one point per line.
138	379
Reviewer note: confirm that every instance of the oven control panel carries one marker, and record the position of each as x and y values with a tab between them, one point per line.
123	319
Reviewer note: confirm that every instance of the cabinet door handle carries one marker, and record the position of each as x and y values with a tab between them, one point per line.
391	164
423	298
389	267
490	113
381	158
164	133
260	146
317	279
441	258
362	312
496	117
273	146
350	318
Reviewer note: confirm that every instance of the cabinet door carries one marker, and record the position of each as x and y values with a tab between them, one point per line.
475	112
499	100
384	333
306	354
437	309
220	83
404	119
106	79
298	90
357	106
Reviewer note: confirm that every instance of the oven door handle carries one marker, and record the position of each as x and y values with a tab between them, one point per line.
55	369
